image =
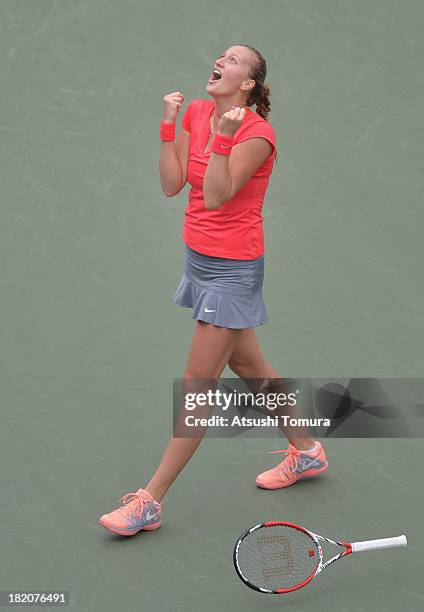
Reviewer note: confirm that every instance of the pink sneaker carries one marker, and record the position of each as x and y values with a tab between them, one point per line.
296	465
142	512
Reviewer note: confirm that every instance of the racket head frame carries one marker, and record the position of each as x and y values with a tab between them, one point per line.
347	550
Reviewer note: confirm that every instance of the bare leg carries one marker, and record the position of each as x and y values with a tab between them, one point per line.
247	362
210	350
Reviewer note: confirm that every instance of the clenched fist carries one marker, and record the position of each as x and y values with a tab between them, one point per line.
171	106
231	121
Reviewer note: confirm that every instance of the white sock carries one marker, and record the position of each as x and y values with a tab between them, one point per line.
311	450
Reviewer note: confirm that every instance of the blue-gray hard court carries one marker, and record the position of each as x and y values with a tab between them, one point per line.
91	254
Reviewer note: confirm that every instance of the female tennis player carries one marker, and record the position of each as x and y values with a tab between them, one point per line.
226	152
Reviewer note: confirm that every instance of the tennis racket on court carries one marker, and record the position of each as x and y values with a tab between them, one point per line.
279	557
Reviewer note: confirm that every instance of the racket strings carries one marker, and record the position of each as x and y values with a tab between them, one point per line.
278	557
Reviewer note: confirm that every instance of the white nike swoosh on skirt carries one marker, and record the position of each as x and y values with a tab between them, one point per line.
207	310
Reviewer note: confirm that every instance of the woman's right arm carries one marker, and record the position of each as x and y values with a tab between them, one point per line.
173	160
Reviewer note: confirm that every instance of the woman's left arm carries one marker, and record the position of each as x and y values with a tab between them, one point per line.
227	174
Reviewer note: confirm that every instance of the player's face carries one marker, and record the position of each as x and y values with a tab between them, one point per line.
233	67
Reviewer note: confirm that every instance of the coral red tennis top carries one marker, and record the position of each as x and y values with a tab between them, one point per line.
235	229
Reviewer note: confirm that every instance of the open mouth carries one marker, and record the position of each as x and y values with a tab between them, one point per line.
215	75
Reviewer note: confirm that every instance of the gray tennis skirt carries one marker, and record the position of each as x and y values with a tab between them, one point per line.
225	292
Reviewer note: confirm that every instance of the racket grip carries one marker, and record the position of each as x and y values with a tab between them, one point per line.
376	544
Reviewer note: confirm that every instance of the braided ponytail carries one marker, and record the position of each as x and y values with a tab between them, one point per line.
261	99
261	92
